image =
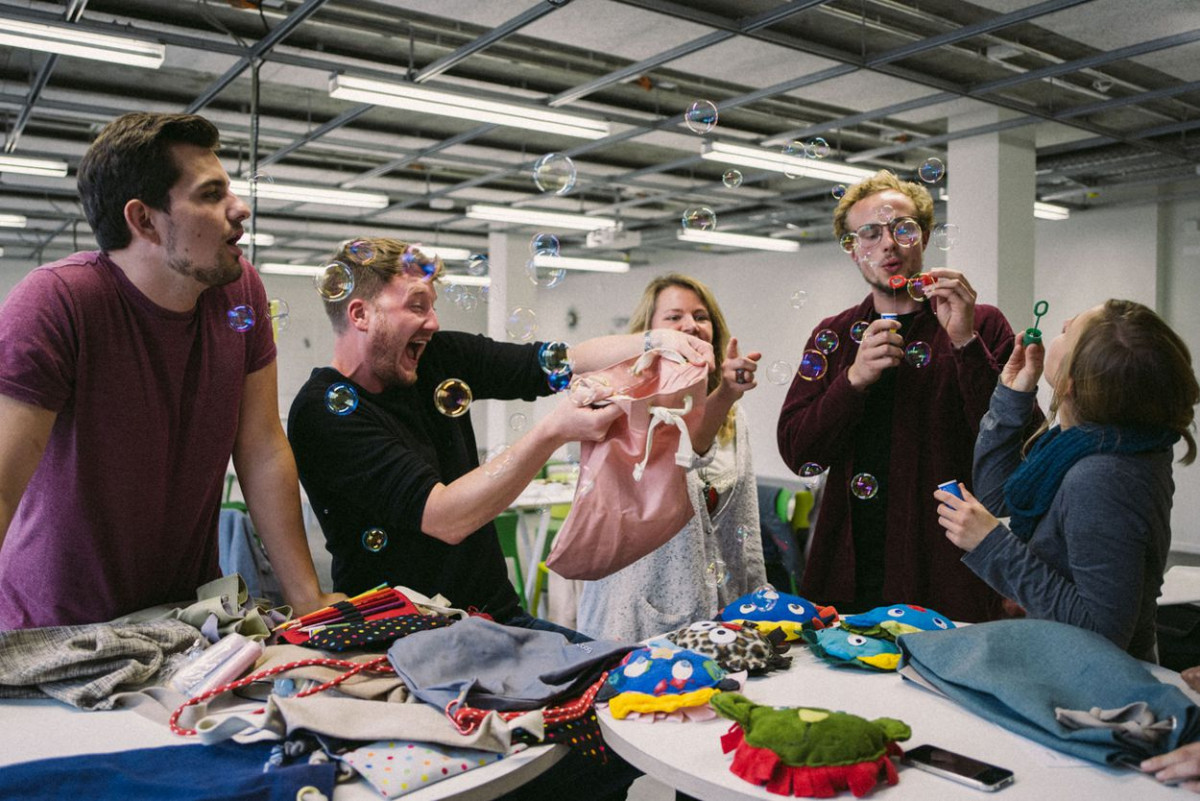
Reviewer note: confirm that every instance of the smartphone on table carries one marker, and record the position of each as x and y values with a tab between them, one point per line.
959	768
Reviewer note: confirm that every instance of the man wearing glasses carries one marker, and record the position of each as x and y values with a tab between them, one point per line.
888	401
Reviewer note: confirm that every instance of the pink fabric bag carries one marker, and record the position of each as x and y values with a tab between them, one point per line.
632	493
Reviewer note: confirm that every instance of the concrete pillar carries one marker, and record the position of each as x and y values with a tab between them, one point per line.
510	289
992	187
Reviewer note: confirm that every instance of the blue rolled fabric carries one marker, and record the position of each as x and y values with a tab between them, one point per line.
222	772
1017	672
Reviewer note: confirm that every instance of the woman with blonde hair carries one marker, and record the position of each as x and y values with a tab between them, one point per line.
717	556
1090	495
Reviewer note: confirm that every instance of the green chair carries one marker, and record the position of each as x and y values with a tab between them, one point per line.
228	502
506	528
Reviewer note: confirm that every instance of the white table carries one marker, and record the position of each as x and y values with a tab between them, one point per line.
688	756
533	522
43	728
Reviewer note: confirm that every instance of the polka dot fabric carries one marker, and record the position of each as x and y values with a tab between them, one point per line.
395	767
374	635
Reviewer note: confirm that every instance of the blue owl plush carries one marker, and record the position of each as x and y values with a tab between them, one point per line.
660	679
843	647
889	622
769	610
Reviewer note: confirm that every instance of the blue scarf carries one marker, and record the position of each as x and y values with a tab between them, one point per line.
1031	488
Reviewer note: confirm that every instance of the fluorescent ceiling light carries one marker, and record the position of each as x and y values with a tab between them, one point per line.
543	219
1	252
445	254
12	221
54	169
411	97
310	270
1050	211
779	162
594	265
739	241
262	240
311	194
466	280
69	40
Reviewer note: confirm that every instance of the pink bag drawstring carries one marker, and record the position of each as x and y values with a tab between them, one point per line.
684	455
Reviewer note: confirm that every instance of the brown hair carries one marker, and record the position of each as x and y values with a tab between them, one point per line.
1129	368
644	313
879	182
131	159
374	262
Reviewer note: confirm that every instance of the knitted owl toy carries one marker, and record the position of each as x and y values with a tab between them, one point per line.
809	752
660	679
768	610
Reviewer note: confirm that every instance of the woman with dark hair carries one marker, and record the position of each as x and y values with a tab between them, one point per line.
1090	493
717	556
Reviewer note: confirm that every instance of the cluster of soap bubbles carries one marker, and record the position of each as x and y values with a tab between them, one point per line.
555	361
466	298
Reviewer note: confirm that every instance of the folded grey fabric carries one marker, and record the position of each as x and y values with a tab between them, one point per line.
498	667
1017	673
1133	721
85	665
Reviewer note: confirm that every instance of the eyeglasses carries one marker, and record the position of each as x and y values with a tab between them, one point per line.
905	231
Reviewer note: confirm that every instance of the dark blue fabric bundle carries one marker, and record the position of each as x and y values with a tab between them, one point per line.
222	772
1017	672
1031	488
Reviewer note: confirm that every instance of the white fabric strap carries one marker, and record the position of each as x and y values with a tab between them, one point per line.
684	455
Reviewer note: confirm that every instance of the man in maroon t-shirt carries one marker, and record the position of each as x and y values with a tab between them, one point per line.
128	376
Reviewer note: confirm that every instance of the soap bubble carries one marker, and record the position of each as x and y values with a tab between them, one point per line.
374	540
917	354
818	148
945	236
452	397
919	285
559	380
742	535
521	324
780	372
886	213
826	341
838	191
552	357
418	264
810	472
701	116
240	318
795	150
362	251
545	277
716	574
812	365
335	281
498	460
732	178
699	218
341	398
466	300
477	264
546	244
517	421
931	170
280	313
864	486
554	173
799	298
858	329
907	233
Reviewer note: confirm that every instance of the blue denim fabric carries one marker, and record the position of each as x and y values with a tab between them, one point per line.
1016	672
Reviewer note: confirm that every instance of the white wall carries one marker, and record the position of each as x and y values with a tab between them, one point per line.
1146	253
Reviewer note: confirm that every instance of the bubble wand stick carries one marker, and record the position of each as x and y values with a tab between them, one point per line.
1033	335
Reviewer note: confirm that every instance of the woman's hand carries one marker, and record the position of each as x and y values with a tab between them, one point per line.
1180	767
737	372
1024	367
694	349
965	519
